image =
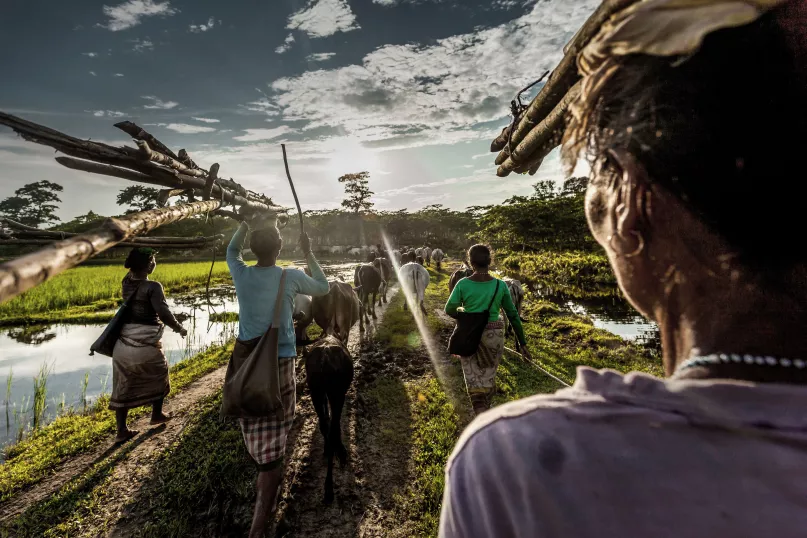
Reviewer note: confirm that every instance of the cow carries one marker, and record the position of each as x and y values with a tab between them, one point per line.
414	279
338	250
339	309
302	315
517	294
420	260
368	281
329	373
427	255
385	268
355	252
458	275
438	257
396	255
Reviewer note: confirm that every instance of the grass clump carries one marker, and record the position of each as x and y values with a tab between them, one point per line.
576	274
224	317
436	429
31	460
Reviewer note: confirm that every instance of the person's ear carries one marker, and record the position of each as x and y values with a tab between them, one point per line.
630	204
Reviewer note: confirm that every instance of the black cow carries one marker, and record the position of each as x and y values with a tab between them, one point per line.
368	281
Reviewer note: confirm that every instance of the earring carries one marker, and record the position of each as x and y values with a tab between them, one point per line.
639	248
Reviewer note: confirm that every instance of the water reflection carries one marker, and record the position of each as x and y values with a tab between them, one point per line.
34	334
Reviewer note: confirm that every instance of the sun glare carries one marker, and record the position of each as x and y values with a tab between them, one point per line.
349	156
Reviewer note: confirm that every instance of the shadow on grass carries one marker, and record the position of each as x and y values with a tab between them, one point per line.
202	485
45	517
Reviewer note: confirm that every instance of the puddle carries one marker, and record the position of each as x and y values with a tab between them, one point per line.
64	351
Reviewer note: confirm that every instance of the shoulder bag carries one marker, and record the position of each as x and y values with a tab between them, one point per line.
105	343
252	383
470	326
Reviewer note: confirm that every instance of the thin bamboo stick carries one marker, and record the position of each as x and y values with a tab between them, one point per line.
22	274
21	230
155	156
126	244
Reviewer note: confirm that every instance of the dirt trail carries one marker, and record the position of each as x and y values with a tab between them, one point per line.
151	439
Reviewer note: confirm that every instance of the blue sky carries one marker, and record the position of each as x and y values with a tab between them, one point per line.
410	90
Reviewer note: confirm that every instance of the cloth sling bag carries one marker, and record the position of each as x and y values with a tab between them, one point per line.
105	343
470	326
252	382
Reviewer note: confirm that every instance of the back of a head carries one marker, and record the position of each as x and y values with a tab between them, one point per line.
480	256
138	259
722	130
265	242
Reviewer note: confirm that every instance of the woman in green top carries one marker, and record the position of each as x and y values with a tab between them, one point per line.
473	294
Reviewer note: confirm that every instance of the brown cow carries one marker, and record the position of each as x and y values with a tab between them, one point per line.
338	311
458	275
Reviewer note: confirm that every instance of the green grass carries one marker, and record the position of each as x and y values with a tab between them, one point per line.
97	288
577	274
30	460
224	317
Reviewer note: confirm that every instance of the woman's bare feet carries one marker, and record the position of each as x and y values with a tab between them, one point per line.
122	437
162	418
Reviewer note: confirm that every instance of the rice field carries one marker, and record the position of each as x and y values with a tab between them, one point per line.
100	286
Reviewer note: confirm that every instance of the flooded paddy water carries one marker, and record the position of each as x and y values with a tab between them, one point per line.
59	353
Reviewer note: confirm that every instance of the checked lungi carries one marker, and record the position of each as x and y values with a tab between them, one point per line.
266	437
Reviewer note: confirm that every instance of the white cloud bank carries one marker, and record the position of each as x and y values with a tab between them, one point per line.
206	120
131	12
254	135
322	18
184	128
320	56
106	113
158	104
412	95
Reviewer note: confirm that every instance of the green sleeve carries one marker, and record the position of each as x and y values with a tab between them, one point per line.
512	315
454	301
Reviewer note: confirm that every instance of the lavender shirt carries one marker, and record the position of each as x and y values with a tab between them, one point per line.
634	456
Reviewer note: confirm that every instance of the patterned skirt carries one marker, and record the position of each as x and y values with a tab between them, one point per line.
139	368
266	437
480	368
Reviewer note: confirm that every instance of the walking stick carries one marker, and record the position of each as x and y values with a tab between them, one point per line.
296	201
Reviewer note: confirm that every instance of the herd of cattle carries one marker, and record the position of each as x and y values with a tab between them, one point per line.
328	364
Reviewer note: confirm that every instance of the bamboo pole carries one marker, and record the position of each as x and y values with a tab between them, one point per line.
138	133
155	156
541	140
21	230
22	274
563	77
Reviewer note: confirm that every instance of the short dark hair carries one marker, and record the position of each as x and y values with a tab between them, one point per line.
265	242
727	142
480	256
139	259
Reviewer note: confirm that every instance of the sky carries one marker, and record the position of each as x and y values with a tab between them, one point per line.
412	91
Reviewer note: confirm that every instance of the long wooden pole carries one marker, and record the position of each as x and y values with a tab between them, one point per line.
22	274
293	192
20	230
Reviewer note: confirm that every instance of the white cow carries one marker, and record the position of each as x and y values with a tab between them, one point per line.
302	316
355	252
427	255
338	250
517	294
414	278
438	257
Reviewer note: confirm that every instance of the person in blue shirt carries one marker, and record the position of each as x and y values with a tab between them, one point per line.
257	287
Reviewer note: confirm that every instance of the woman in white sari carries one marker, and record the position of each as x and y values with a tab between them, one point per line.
139	368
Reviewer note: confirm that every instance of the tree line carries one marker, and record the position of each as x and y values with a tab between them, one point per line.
550	218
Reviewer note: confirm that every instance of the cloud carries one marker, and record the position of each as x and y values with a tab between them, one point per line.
264	106
184	128
118	75
130	13
205	120
254	135
142	45
158	103
322	18
454	90
106	113
199	28
286	44
93	73
320	56
90	54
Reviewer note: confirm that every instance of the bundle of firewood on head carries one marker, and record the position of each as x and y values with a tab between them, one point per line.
617	29
152	163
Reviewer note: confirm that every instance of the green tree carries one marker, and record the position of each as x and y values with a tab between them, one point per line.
33	204
138	198
358	192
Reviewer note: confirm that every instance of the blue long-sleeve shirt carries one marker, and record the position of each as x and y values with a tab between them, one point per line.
256	288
